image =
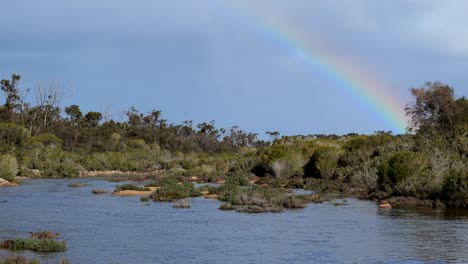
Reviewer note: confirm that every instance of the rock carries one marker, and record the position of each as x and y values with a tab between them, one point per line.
211	196
385	205
194	178
20	178
204	192
99	191
5	183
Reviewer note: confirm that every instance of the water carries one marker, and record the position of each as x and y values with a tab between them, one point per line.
109	229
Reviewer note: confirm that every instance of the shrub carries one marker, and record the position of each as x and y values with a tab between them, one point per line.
237	180
8	167
48	139
171	190
131	187
34	244
12	135
323	163
455	189
399	169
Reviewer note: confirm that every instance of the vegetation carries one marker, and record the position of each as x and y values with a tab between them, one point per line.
131	187
35	244
170	189
18	260
429	162
78	185
99	191
8	167
23	260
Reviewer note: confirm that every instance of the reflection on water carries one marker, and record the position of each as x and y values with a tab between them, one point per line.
108	229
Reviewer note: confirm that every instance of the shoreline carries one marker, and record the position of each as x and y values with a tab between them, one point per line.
393	201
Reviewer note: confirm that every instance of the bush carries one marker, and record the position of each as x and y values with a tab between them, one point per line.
12	135
8	167
323	163
34	244
171	190
131	187
48	140
398	170
455	189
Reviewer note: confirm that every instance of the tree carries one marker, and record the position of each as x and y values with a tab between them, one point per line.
14	106
93	118
433	110
74	112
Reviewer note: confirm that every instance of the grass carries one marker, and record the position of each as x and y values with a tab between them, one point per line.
42	241
18	260
99	191
78	184
131	187
34	244
15	259
170	190
260	199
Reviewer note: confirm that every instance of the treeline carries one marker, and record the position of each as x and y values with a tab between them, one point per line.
429	162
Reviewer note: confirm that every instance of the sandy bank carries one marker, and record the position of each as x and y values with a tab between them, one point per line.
135	193
5	183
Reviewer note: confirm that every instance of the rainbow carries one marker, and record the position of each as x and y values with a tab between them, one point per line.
350	76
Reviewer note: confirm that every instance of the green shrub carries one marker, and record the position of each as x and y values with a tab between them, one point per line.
34	244
12	135
8	167
455	189
237	180
48	139
403	167
170	190
131	187
323	163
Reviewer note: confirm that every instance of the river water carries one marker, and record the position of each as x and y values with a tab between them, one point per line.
110	229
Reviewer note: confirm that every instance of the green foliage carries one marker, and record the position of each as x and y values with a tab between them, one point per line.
12	136
455	189
8	167
34	244
323	163
394	173
48	139
131	187
170	189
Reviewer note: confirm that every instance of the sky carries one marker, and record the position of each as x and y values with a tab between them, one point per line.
216	60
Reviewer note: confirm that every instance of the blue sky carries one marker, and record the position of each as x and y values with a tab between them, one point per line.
203	61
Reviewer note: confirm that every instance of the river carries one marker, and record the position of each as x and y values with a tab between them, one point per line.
110	229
